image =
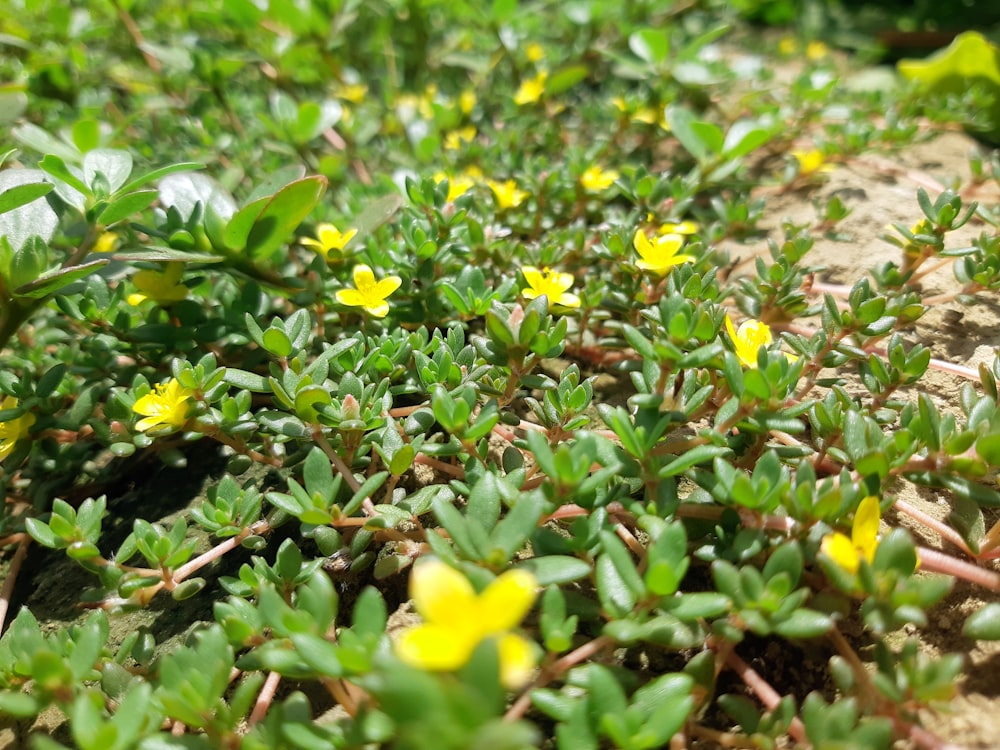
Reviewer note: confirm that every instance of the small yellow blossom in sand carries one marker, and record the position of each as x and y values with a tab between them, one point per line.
351	92
681	227
816	50
369	294
13	430
329	242
553	284
812	162
457	620
531	90
163	287
458	185
534	52
848	553
507	194
596	180
456	139
750	338
107	242
167	405
660	254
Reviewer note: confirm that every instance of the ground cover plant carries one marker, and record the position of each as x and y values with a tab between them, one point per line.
433	375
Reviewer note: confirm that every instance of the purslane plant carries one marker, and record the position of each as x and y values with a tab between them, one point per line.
396	408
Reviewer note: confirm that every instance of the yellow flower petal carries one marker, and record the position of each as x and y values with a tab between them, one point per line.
15	429
433	647
441	594
595	179
683	227
730	328
841	550
748	340
387	286
517	660
377	308
364	277
534	279
864	531
505	602
660	254
552	284
167	405
350	297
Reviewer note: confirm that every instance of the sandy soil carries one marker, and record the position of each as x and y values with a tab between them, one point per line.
881	190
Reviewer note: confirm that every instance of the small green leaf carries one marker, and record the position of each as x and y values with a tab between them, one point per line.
556	568
650	45
21	195
804	623
128	204
53	281
282	214
984	625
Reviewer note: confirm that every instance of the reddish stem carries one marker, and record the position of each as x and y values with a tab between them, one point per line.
943	530
764	692
24	541
937	562
264	698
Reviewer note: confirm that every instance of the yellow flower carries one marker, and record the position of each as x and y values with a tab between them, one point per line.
812	162
683	227
368	294
457	620
163	287
458	185
329	241
643	114
816	50
352	92
108	242
787	46
507	194
13	429
595	179
167	404
553	284
466	101
531	90
660	254
848	553
751	336
534	52
454	140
